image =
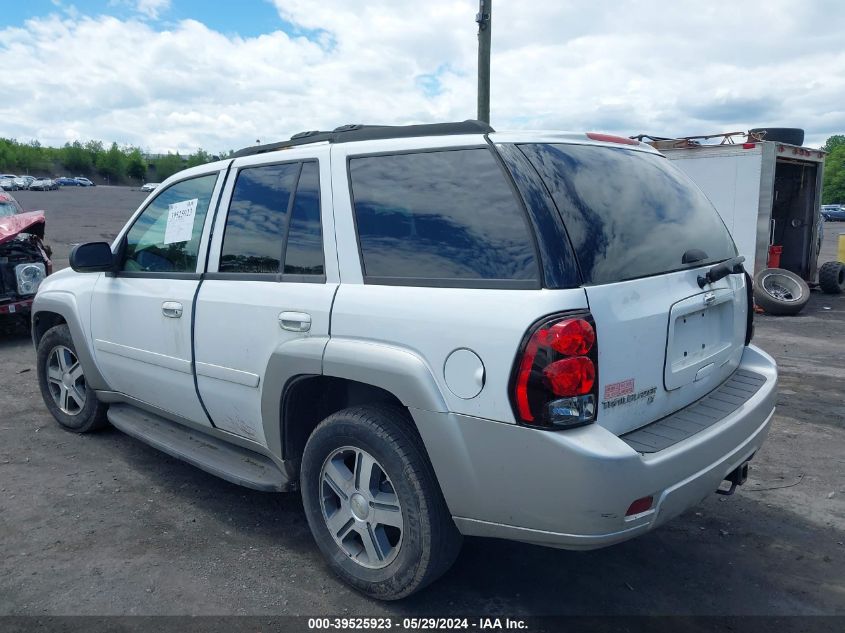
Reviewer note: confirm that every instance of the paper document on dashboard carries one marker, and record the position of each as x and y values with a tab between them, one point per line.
180	221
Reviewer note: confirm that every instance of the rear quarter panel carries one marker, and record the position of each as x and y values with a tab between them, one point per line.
433	322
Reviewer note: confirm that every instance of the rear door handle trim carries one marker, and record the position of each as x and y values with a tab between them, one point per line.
171	309
295	321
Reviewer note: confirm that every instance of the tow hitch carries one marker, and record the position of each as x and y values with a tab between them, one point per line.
736	477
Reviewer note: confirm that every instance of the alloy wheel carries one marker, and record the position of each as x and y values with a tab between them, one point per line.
65	380
361	508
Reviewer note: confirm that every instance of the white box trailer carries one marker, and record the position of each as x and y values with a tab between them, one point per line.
768	194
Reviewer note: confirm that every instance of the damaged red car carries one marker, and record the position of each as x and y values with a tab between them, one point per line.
24	258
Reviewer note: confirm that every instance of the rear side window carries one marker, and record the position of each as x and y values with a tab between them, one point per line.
440	218
257	219
628	213
304	252
274	216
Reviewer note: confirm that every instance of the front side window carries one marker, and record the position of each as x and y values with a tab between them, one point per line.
165	238
274	217
434	216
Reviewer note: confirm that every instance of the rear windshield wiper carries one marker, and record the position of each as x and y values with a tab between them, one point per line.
729	267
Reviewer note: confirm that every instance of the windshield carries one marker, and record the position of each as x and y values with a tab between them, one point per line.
7	209
628	213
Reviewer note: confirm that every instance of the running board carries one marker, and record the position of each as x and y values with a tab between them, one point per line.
228	461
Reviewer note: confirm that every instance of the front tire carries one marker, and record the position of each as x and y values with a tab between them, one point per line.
66	393
373	503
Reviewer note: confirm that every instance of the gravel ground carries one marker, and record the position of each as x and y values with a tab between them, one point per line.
102	524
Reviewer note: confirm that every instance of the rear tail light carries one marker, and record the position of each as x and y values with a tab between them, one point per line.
554	382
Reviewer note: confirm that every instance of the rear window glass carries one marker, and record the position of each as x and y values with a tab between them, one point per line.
441	215
628	213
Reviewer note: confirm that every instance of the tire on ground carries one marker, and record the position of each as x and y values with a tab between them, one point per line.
429	543
788	135
92	415
832	278
791	293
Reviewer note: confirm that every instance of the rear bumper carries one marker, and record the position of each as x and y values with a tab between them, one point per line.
571	489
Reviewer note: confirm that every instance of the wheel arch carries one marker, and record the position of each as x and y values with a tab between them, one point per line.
54	309
308	379
43	321
309	399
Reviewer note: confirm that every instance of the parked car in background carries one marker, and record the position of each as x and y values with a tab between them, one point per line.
84	181
27	181
7	183
43	184
834	212
24	259
150	186
64	181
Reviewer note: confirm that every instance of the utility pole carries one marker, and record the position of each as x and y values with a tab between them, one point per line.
485	26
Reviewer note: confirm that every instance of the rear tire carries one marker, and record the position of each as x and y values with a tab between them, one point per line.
832	278
780	292
66	393
385	558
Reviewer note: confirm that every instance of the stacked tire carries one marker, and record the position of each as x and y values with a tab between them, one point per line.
780	292
832	278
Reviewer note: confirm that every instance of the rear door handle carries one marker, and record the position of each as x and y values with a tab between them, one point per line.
295	321
171	309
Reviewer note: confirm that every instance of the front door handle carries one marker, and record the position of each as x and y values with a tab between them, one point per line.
171	309
295	321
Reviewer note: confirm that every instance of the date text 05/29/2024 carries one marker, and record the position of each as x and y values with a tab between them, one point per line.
417	624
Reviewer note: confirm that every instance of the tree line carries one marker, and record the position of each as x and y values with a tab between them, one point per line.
833	191
116	164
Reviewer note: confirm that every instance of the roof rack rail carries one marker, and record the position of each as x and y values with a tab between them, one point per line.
356	132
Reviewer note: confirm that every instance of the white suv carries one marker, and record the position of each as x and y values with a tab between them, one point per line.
433	330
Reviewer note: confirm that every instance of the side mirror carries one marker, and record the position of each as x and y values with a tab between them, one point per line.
94	257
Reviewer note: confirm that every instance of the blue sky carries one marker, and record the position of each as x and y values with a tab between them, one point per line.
170	75
246	18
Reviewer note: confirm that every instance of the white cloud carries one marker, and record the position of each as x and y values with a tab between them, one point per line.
152	8
665	68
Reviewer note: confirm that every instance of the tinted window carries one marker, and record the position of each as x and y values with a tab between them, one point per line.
166	236
304	251
255	226
629	214
440	215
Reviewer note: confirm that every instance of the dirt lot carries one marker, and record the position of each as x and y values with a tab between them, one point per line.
102	524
